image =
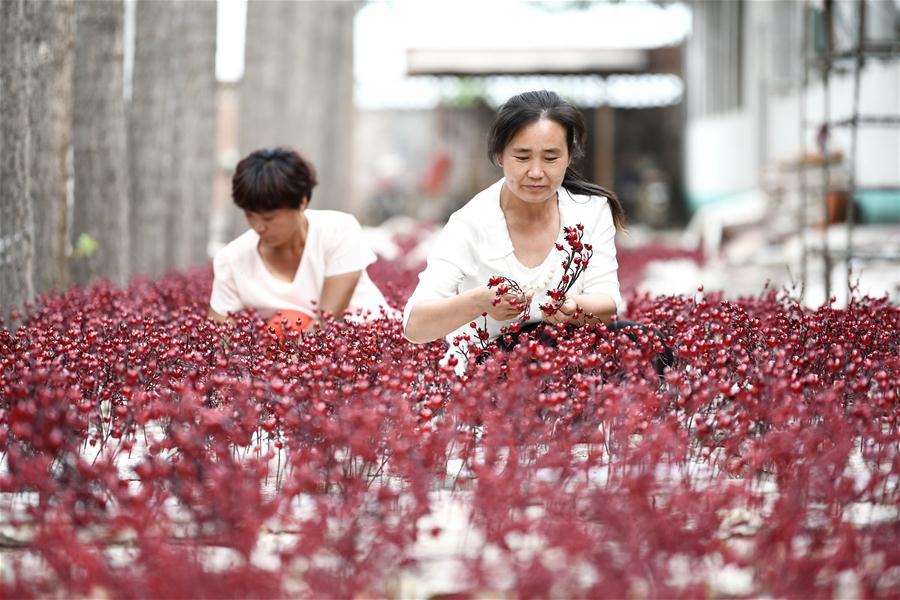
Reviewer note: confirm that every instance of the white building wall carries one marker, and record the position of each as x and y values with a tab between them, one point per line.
721	156
878	155
733	153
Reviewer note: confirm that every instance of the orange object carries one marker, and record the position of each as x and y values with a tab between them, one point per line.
436	173
296	321
836	202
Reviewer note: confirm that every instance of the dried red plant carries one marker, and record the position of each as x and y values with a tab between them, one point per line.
147	451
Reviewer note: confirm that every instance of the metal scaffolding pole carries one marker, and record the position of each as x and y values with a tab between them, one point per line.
827	59
854	128
801	171
825	65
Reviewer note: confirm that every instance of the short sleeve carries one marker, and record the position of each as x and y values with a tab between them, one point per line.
447	265
601	276
224	298
346	250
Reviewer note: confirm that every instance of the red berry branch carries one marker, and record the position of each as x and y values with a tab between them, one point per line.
504	286
480	343
578	256
481	338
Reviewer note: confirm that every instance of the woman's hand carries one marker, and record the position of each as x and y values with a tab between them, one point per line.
566	312
583	309
510	306
434	318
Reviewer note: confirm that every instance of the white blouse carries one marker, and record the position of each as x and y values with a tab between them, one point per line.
334	245
475	245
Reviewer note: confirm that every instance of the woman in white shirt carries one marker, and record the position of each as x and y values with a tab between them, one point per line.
292	258
511	229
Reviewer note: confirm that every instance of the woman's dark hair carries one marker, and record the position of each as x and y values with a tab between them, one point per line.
530	107
272	178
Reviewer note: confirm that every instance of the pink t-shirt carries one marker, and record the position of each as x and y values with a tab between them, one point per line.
334	246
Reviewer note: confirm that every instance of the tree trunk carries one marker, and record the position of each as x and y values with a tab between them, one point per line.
194	146
16	220
172	133
332	75
297	89
151	127
101	207
51	130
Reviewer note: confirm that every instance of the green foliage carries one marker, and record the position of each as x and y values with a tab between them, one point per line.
470	91
85	246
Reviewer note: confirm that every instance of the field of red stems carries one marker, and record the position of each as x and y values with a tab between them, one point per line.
148	452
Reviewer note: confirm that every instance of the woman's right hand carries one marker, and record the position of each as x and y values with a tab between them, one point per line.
509	306
433	318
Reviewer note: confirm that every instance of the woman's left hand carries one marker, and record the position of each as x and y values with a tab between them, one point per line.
565	313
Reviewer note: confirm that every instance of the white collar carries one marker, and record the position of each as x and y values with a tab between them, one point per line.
495	240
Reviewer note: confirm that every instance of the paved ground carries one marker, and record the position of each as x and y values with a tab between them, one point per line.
747	261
